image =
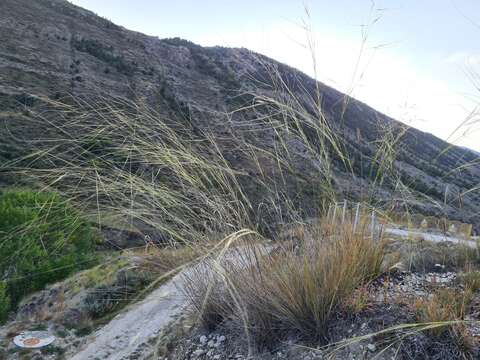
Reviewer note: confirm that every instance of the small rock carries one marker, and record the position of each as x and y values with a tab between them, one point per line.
199	352
203	339
371	347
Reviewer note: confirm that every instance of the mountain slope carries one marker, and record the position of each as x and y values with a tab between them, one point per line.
53	48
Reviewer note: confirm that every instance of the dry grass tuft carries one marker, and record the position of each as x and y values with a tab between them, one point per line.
470	280
292	290
443	306
447	307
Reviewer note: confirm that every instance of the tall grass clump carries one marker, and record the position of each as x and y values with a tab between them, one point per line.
129	167
178	181
42	239
290	289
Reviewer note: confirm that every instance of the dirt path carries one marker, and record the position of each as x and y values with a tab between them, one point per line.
430	237
127	336
129	332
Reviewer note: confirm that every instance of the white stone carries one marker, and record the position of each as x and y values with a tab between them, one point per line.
199	352
203	339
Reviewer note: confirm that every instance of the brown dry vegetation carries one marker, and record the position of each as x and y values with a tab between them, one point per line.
293	289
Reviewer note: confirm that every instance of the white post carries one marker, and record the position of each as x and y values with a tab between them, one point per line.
344	210
357	213
373	224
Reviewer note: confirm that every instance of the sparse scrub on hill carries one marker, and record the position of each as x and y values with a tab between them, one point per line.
104	53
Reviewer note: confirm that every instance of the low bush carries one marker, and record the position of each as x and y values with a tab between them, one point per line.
107	298
294	289
42	240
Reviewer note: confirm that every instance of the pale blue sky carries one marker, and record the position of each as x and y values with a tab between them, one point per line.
414	65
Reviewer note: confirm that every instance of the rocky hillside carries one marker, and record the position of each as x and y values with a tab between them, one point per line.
53	48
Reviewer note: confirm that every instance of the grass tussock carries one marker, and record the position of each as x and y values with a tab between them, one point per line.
470	280
289	290
446	310
445	305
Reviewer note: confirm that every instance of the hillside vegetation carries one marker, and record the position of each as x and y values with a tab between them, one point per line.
228	167
225	93
43	239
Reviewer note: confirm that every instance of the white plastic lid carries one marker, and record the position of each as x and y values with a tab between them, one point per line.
33	339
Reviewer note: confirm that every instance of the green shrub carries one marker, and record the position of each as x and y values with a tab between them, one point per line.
4	302
43	239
